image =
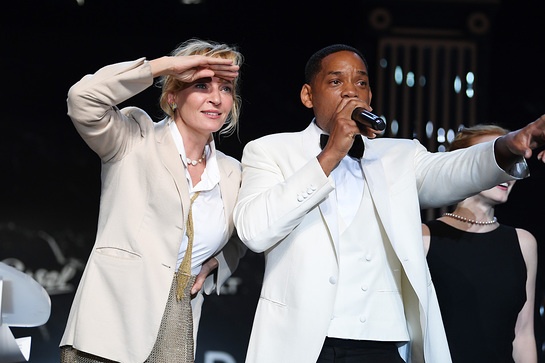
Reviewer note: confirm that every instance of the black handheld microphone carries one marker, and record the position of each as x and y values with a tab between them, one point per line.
366	118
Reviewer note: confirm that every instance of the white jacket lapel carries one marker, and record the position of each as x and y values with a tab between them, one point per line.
373	172
172	161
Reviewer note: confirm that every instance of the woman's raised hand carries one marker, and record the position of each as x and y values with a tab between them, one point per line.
190	68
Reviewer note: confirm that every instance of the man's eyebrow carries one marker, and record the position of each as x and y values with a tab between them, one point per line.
336	73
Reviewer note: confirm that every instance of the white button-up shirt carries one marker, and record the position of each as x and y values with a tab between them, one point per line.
208	214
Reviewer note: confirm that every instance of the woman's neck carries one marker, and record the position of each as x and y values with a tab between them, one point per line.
472	216
194	141
474	210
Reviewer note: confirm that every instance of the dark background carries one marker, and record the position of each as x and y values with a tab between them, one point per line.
51	180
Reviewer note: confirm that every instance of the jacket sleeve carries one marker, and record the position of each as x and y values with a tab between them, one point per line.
273	201
228	260
462	173
92	107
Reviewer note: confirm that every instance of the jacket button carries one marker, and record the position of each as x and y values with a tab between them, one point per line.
332	280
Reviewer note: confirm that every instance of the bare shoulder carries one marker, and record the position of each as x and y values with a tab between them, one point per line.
526	238
426	238
425	230
528	246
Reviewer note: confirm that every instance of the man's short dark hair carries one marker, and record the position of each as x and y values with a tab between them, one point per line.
314	64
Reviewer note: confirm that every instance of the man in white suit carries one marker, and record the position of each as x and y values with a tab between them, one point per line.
345	272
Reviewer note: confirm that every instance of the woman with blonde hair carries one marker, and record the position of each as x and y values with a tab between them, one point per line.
165	222
484	273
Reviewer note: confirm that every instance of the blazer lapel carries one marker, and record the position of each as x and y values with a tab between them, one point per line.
228	192
171	160
328	208
373	172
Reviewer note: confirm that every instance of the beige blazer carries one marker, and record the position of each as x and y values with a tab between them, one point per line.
287	210
122	294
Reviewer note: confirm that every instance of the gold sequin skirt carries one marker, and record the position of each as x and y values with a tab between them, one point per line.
175	339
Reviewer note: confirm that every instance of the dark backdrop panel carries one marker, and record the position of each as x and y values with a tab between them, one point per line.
51	180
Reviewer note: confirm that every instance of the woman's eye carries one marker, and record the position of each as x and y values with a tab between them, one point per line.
227	89
335	81
200	85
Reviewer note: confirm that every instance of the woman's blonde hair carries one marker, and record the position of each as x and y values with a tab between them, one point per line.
211	49
467	135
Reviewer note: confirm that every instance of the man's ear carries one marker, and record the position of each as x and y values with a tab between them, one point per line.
306	96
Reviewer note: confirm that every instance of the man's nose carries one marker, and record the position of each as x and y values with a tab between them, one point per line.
349	91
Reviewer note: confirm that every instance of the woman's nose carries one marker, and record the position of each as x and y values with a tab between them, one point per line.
215	97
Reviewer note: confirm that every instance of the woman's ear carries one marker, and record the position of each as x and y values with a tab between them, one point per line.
306	96
171	97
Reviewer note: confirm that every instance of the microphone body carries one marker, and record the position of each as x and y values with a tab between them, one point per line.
365	118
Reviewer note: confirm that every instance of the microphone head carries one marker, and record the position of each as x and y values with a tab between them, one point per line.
362	116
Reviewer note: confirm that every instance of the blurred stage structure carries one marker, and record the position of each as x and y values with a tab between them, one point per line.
23	303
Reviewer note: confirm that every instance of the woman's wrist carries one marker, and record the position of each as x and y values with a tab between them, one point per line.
159	66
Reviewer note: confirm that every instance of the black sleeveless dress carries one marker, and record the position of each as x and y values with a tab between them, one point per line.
480	279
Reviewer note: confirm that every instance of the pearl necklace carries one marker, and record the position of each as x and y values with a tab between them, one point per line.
194	162
470	221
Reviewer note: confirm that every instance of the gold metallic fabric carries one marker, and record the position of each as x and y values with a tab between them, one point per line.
184	271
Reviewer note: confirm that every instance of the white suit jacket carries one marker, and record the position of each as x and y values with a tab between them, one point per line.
123	292
286	209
